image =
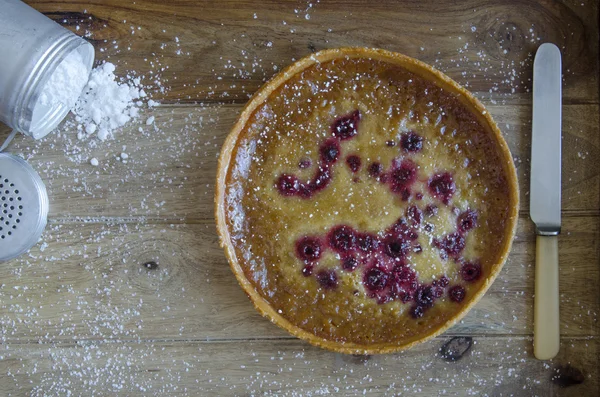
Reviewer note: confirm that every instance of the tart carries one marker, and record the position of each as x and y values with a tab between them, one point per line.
365	201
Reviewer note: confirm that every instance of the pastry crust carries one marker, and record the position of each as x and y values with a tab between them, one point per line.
226	160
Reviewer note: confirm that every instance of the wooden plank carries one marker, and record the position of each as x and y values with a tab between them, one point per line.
494	366
487	46
581	141
171	168
89	282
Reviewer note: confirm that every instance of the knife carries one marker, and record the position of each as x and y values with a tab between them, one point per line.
545	197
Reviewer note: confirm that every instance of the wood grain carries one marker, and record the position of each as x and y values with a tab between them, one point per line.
481	44
171	168
494	366
90	283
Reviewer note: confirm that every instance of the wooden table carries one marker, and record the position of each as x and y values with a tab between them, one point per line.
84	313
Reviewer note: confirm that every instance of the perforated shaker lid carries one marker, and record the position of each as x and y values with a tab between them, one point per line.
23	206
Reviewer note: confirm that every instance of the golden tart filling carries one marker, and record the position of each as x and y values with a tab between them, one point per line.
365	201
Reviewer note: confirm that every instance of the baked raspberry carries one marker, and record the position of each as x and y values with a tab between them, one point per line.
402	177
307	270
375	279
470	271
404	273
308	249
457	293
349	263
330	151
414	215
403	230
342	238
438	290
431	210
346	127
288	185
367	242
442	187
327	279
404	283
375	169
353	163
466	221
443	281
320	180
411	142
425	296
396	247
452	244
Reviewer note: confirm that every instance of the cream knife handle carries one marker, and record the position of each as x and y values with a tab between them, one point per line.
546	334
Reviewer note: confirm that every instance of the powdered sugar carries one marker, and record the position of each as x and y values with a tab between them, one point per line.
106	104
66	83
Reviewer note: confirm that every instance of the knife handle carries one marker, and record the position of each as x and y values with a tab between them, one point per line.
546	335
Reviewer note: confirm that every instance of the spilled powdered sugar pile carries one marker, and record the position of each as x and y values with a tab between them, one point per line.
100	102
106	105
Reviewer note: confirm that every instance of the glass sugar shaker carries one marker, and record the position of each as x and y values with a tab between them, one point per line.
32	46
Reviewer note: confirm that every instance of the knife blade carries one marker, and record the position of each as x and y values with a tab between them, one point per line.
545	196
546	140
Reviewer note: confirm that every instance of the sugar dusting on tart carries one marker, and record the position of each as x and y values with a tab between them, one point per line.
363	206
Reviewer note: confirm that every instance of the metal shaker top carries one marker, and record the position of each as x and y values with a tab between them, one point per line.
23	206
